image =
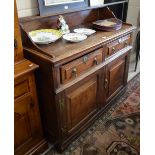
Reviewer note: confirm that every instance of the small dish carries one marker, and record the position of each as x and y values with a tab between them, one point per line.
45	36
85	31
74	37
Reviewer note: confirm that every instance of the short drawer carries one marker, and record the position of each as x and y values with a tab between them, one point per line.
117	45
79	66
21	87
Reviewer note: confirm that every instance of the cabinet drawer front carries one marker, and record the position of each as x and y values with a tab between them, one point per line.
79	66
21	87
117	45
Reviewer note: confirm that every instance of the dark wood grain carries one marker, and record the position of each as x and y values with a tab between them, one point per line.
70	104
61	50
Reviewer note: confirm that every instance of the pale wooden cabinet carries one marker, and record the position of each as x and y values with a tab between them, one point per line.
28	133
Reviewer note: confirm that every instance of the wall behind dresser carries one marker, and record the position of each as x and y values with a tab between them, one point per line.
30	7
27	7
133	12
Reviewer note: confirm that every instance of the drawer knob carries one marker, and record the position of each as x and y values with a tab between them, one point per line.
74	72
126	43
95	61
113	49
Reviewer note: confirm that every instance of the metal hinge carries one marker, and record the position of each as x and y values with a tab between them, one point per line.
61	104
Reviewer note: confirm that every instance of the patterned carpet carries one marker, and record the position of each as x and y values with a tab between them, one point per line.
117	132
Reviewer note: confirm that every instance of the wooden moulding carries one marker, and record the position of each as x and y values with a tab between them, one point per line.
24	67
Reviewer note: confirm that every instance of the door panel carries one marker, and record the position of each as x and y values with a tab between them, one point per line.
115	76
81	102
27	127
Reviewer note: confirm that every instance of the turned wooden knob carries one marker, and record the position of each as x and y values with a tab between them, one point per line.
126	43
113	49
74	72
95	61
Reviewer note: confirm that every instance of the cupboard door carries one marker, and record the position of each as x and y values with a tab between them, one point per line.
27	125
115	78
81	102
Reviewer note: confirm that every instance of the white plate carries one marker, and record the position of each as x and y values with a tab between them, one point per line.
45	36
74	37
85	31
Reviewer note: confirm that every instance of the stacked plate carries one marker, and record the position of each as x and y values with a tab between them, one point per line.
84	31
79	35
108	24
46	36
74	37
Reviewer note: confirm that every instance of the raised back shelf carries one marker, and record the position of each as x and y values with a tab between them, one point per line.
84	18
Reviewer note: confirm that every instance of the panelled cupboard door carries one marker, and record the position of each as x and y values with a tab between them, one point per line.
27	128
81	101
115	77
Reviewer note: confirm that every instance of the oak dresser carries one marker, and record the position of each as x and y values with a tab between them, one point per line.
76	82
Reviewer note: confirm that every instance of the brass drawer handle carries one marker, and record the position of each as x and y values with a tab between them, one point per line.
96	61
126	43
113	49
106	83
74	72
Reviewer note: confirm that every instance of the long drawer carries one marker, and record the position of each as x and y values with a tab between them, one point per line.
77	67
117	45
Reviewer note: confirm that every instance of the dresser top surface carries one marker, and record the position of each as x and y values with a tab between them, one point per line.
23	67
62	49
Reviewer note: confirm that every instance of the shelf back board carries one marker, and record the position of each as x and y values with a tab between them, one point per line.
71	4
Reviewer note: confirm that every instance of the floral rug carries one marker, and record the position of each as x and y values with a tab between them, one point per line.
117	132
